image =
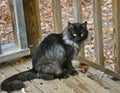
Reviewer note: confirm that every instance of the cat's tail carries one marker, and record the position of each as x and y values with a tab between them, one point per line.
15	82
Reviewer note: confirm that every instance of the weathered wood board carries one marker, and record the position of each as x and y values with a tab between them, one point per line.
74	84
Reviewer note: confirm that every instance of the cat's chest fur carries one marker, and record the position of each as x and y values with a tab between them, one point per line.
73	48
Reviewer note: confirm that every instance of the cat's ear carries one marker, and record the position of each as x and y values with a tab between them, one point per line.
70	26
84	24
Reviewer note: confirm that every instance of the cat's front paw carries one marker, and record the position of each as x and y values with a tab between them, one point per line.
63	76
73	73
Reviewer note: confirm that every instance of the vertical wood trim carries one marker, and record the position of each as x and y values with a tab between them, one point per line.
77	12
12	10
33	24
98	32
21	28
116	26
56	6
0	48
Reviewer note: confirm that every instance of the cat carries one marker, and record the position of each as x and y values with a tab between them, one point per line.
52	59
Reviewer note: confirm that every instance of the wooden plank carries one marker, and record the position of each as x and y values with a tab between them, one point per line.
98	32
105	81
57	16
91	86
115	88
7	71
30	88
14	53
116	26
2	77
99	67
32	20
11	51
8	47
3	92
74	85
77	12
86	85
52	86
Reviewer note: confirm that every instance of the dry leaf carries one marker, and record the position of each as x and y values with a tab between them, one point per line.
83	68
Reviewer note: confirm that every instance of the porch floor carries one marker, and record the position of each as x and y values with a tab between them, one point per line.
74	84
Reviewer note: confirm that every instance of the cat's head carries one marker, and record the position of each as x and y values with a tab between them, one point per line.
78	31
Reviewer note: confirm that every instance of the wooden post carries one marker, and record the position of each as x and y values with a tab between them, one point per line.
77	12
56	6
32	20
116	26
0	49
98	32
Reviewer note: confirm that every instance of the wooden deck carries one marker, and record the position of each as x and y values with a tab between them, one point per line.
74	84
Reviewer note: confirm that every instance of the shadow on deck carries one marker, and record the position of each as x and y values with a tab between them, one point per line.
74	84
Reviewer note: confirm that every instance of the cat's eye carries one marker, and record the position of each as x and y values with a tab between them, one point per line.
82	35
74	35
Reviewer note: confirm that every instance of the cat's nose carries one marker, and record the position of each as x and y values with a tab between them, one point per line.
77	38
